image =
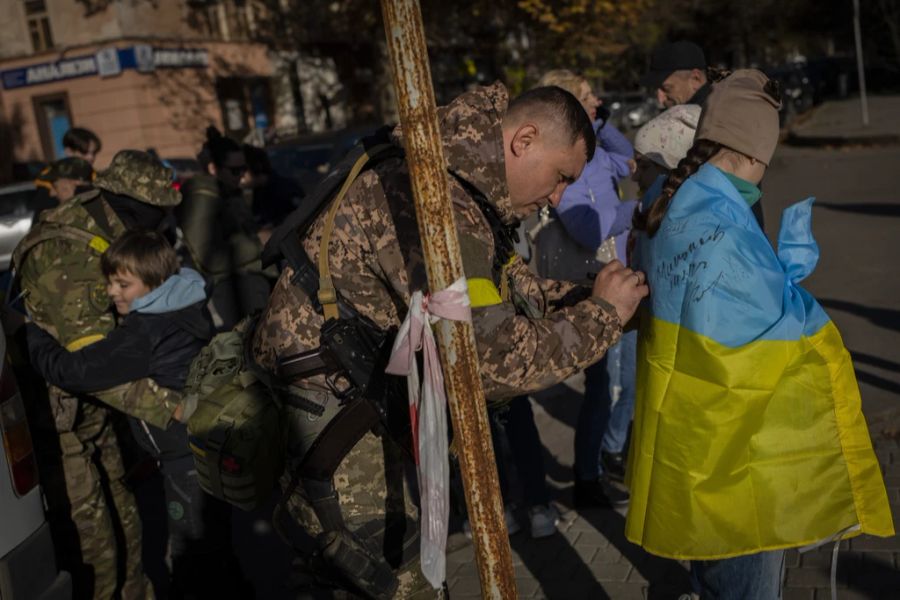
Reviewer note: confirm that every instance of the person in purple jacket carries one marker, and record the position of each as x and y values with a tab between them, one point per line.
595	226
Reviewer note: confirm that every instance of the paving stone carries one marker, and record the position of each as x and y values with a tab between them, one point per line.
569	589
875	573
791	559
809	578
852	594
892	481
466	585
462	554
571	535
624	591
583	525
586	552
869	542
523	570
891	469
610	572
798	594
607	555
816	559
557	569
453	568
528	587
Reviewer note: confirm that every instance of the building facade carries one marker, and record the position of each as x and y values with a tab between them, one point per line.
145	74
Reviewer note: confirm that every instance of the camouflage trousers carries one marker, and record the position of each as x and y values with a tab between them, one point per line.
373	484
93	516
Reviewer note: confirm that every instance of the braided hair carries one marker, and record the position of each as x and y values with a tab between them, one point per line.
700	152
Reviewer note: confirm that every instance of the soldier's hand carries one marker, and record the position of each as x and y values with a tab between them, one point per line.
621	287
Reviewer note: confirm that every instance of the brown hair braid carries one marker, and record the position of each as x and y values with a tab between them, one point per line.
700	152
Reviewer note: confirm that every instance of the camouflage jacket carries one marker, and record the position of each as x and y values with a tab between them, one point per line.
58	264
525	342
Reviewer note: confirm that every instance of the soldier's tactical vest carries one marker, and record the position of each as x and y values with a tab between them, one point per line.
50	230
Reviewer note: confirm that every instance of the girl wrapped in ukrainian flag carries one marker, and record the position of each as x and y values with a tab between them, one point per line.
748	432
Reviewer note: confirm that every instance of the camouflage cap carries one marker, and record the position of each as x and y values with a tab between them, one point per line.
139	175
67	168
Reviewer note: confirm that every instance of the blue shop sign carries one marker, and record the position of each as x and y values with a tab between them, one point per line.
106	62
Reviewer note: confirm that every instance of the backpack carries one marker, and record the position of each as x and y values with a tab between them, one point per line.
235	432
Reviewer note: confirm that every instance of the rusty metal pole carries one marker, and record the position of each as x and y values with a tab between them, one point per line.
431	190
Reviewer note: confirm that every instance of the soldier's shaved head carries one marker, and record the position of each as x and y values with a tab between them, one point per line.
547	139
558	111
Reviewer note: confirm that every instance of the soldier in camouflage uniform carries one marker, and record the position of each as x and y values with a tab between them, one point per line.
58	264
531	333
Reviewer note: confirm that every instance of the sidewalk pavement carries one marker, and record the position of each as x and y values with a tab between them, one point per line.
839	123
589	557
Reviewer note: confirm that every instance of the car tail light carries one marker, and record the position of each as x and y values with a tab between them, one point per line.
16	437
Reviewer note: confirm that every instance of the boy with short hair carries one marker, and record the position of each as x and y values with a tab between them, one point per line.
163	325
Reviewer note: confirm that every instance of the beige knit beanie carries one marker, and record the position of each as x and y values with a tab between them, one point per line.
667	138
740	115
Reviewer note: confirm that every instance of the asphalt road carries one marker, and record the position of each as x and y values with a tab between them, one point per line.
856	222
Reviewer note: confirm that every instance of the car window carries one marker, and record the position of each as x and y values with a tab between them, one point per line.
16	203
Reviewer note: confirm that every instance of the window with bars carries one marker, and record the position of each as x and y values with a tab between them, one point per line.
38	25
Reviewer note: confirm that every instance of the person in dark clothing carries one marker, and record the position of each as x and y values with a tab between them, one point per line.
219	235
677	74
59	182
163	326
81	143
274	196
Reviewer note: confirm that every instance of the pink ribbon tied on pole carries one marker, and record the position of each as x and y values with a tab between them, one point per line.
428	415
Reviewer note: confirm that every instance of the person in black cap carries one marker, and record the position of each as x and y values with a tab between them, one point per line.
64	176
59	182
678	74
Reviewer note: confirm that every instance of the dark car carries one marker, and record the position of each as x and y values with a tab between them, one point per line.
307	159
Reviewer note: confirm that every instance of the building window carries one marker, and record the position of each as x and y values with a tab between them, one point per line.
53	120
38	25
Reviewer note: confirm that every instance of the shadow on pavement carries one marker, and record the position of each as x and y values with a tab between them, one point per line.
560	402
558	567
875	361
869	574
886	318
666	578
879	382
866	208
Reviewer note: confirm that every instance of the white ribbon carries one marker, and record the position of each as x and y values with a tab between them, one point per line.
428	415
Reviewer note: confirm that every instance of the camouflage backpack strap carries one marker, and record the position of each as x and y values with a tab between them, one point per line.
94	207
53	231
327	295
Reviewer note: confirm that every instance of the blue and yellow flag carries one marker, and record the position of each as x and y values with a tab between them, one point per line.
748	431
